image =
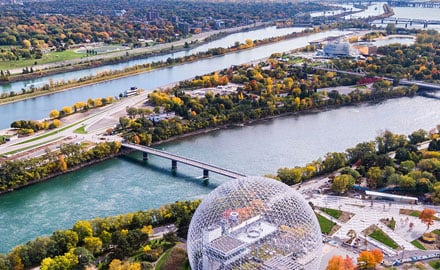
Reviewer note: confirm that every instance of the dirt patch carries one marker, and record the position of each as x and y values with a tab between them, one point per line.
335	228
346	216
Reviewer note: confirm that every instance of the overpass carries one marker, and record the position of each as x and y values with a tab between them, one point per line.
176	158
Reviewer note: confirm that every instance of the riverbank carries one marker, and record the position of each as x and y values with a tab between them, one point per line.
143	68
133	54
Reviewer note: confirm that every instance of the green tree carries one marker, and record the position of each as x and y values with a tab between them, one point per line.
84	229
65	240
290	176
374	176
93	244
342	183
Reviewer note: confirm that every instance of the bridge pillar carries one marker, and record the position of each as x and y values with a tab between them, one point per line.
173	164
205	174
144	156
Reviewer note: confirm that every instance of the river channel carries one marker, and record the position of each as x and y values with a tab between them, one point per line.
127	184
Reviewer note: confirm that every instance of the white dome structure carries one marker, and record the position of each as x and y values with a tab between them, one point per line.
254	223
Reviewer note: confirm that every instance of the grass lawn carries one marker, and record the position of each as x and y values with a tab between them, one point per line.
332	212
436	231
435	264
80	130
325	224
418	245
380	236
414	213
50	57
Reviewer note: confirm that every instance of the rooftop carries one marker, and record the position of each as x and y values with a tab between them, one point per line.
226	245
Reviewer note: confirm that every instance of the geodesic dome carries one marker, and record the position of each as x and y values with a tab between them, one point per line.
254	223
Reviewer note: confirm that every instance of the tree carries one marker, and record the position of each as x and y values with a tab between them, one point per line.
366	260
83	228
65	240
377	254
54	114
93	244
342	183
374	176
427	217
26	43
62	163
339	263
66	110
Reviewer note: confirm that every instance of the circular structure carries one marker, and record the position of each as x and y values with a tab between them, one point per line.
254	223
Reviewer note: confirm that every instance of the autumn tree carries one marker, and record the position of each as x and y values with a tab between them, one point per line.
54	114
366	260
62	163
427	217
67	110
377	254
369	259
339	263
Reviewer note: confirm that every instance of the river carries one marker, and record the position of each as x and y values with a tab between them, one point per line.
224	42
127	184
38	108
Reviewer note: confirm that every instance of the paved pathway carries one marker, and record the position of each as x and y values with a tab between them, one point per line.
366	214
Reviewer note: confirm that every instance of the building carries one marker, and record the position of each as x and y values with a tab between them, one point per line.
254	223
337	49
184	28
152	15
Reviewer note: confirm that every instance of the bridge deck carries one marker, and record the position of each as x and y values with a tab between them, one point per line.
184	160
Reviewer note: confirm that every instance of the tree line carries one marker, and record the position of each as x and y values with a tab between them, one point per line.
104	241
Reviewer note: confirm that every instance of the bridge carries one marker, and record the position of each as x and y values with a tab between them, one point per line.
176	158
420	84
407	21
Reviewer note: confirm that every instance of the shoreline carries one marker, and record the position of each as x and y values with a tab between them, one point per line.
194	133
110	58
41	93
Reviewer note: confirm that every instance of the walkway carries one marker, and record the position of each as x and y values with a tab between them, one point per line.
367	214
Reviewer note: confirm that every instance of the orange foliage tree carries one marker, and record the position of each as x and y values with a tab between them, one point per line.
369	259
339	263
427	217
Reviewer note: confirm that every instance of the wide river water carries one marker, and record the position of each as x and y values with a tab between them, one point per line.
127	184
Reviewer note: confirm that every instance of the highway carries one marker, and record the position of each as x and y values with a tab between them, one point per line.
101	119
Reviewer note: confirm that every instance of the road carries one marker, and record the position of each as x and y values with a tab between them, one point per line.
95	124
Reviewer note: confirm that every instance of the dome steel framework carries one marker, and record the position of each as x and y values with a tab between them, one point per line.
254	223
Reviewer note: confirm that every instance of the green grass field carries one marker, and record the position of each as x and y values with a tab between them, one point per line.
332	212
51	57
435	264
418	245
380	236
325	224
